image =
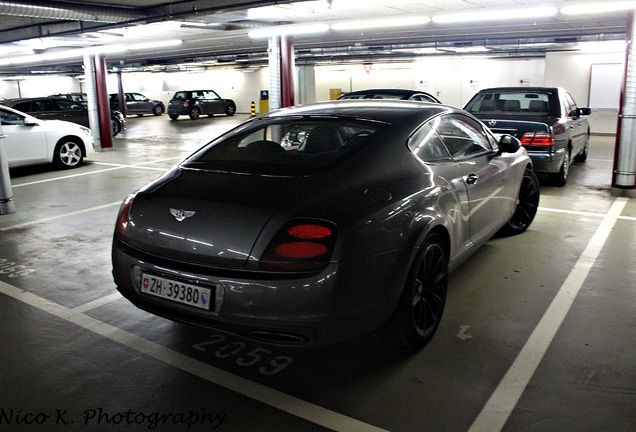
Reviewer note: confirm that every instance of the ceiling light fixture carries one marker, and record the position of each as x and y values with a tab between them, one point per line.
495	15
381	23
597	8
288	30
156	44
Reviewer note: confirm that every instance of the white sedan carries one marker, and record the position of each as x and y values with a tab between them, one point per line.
28	140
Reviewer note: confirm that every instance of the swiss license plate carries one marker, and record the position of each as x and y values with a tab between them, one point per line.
179	292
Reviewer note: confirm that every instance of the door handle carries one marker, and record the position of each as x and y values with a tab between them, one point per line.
471	179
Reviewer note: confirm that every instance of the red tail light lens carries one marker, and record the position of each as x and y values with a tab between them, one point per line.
300	246
123	219
537	139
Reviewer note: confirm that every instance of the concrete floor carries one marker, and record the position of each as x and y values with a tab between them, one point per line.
537	334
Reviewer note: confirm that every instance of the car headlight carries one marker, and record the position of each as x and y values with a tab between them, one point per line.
86	130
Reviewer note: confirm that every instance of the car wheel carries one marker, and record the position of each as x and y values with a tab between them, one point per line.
157	110
582	156
527	206
420	309
230	110
173	116
114	126
195	112
68	154
561	178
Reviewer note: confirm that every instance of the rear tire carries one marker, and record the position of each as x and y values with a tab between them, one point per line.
195	113
173	116
527	206
114	126
424	296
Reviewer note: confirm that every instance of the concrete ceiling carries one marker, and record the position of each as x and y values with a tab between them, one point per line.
215	32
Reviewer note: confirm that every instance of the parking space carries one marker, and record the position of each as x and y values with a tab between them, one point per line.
535	336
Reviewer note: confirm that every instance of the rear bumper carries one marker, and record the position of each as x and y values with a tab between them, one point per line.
544	162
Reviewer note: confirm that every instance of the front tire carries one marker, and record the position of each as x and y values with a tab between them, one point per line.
230	110
424	296
157	110
114	126
527	206
68	154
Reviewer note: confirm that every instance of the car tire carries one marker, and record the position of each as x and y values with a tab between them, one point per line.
424	296
230	110
68	153
527	206
157	110
173	116
582	156
561	178
114	126
195	113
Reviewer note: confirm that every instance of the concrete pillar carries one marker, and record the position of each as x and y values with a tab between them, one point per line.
274	73
91	94
306	84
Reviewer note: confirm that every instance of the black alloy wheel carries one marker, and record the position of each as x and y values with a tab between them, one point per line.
527	206
195	113
424	297
114	126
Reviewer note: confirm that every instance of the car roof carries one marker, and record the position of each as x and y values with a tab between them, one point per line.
372	109
519	89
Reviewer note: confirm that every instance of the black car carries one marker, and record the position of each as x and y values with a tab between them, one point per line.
78	97
138	104
56	108
547	121
313	224
401	94
195	103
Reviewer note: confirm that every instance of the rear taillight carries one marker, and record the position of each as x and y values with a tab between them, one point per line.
304	245
537	139
123	219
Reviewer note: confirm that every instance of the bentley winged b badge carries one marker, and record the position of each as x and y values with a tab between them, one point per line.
180	214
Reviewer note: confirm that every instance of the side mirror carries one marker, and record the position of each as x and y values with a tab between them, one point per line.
508	144
585	111
30	123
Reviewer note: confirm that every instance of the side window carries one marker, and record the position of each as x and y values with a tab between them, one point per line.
10	118
427	145
23	106
209	94
463	136
569	103
67	105
42	105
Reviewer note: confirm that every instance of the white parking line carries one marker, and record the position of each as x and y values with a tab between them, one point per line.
97	303
268	396
502	402
38	221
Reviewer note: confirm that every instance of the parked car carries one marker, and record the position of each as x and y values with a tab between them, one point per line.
138	104
195	103
56	108
547	121
28	140
401	94
354	230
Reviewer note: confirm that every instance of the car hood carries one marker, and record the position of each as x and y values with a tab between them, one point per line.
205	218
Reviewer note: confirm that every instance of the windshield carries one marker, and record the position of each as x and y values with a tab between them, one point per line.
510	103
286	147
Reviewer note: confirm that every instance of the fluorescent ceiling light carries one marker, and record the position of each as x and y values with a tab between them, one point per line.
381	23
284	30
155	44
495	15
599	7
602	46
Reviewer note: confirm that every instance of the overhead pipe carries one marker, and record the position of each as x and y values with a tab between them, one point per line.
65	11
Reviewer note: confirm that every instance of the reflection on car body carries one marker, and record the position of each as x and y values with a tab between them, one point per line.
399	94
314	224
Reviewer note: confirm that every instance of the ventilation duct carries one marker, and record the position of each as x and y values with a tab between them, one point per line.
64	11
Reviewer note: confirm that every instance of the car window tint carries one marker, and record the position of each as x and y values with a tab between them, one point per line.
23	106
67	105
463	136
42	105
209	94
286	147
181	95
10	118
427	145
520	103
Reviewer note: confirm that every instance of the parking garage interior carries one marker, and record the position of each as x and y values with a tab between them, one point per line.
537	331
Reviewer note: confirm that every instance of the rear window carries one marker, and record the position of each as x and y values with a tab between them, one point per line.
510	103
290	147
